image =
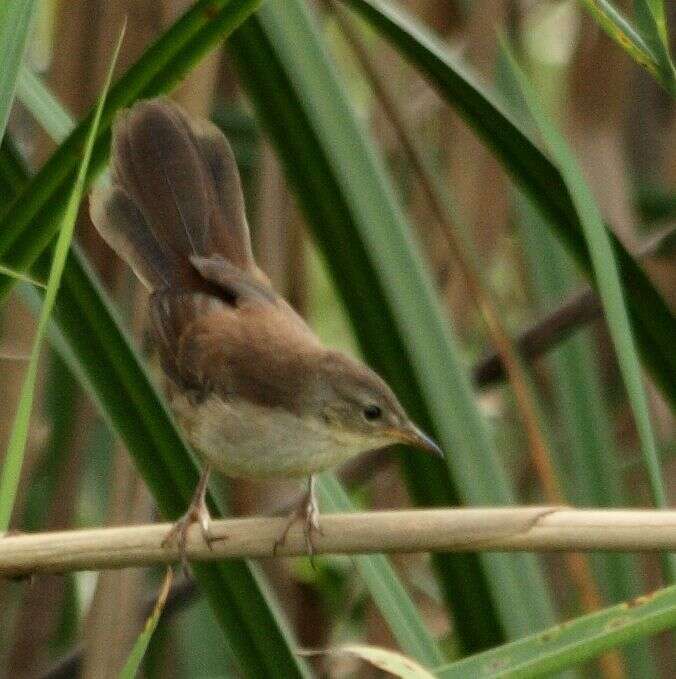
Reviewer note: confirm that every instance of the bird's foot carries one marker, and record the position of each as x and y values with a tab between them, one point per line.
307	511
198	513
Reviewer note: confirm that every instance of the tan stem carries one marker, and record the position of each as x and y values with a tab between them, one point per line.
437	530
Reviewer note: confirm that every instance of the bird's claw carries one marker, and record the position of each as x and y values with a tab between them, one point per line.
307	511
179	532
198	513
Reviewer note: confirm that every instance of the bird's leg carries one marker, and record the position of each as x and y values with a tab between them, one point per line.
197	512
308	511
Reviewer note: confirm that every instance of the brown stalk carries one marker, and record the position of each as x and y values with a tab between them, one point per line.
572	315
509	355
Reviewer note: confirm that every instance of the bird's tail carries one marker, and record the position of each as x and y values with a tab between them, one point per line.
173	193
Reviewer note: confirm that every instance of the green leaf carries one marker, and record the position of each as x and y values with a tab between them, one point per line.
351	207
646	47
610	289
572	643
587	452
11	469
91	339
11	171
654	325
15	21
25	278
133	665
652	23
656	9
388	593
31	92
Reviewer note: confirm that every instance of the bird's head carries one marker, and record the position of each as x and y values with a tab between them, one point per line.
356	405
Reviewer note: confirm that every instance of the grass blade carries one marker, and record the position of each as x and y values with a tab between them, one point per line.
653	322
652	23
91	339
637	44
592	467
11	170
342	187
588	454
656	10
11	470
133	665
24	278
15	21
572	643
387	591
610	290
32	93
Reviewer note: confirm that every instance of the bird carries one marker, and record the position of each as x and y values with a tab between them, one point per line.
254	390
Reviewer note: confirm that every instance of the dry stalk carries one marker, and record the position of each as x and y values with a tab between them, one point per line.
436	530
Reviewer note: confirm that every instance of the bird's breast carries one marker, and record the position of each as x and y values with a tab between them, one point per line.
244	439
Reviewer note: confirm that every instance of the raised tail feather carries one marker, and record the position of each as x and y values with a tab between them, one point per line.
173	193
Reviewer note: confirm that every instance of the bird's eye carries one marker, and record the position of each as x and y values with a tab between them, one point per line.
372	412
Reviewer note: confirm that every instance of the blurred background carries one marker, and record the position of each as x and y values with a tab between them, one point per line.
622	126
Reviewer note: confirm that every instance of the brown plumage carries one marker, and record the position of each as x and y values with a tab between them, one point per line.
255	390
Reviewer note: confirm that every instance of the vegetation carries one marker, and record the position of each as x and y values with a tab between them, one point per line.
437	219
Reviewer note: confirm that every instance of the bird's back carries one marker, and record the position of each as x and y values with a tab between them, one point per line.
173	208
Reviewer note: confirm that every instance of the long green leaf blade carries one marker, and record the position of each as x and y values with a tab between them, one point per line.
351	207
592	475
587	452
15	22
31	92
654	325
610	290
19	276
652	23
387	591
255	633
625	35
573	643
133	665
11	470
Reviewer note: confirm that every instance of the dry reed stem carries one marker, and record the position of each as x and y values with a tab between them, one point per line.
437	530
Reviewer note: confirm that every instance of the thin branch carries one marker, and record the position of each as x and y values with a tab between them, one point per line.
579	311
436	530
566	319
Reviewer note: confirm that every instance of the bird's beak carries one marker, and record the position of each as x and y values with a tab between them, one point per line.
414	436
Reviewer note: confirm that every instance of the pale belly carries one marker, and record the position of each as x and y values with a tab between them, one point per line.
249	441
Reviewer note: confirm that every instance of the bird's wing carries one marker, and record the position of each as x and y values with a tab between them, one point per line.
237	338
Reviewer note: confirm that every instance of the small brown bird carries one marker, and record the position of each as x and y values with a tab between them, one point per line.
252	386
